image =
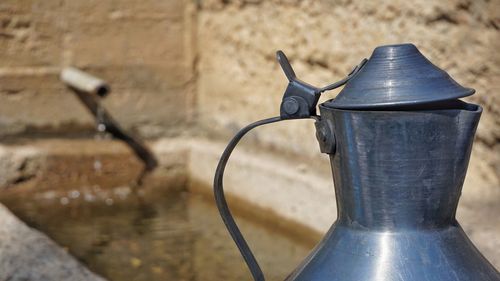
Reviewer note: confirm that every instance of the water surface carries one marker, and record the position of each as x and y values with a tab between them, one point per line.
172	235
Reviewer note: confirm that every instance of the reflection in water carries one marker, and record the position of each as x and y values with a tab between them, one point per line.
173	236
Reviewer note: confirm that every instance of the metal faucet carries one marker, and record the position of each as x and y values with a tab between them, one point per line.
90	90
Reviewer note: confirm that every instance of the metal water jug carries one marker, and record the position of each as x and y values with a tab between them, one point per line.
399	141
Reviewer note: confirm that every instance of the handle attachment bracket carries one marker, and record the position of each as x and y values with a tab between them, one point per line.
300	98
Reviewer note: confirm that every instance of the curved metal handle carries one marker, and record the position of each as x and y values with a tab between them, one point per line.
299	102
221	203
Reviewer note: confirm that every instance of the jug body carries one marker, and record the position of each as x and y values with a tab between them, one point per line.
398	177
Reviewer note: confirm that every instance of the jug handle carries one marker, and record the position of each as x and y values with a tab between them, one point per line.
221	202
299	102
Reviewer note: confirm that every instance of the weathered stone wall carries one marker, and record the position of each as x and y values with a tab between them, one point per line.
240	80
142	48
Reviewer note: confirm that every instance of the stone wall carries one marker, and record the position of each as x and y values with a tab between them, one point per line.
142	48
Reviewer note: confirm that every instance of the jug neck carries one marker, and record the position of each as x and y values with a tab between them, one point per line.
400	169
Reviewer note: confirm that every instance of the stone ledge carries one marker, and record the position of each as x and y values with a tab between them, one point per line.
269	183
26	254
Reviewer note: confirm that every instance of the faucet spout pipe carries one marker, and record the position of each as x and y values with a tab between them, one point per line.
89	89
84	82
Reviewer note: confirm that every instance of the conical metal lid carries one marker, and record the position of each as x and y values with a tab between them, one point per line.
398	75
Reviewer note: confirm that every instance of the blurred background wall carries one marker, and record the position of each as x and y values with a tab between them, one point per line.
142	48
206	68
